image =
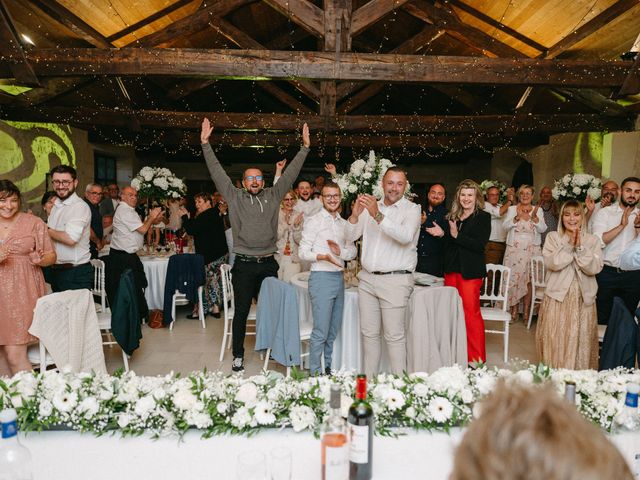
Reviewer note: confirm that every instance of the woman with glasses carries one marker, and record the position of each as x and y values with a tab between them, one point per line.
25	247
289	235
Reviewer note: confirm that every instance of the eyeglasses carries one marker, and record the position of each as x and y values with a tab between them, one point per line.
331	196
288	199
94	193
251	178
64	183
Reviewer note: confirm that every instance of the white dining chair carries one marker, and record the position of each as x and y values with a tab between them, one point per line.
228	304
179	298
495	290
538	285
103	311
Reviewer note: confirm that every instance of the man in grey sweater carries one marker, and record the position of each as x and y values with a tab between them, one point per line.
253	213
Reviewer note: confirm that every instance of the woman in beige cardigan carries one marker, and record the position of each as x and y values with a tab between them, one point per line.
567	333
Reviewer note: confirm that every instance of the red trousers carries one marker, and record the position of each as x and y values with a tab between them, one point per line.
469	291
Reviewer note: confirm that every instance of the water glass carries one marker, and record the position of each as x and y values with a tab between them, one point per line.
280	463
251	466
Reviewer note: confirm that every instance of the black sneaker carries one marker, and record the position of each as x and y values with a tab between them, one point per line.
238	364
327	371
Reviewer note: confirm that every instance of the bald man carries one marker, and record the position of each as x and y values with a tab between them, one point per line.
253	213
608	196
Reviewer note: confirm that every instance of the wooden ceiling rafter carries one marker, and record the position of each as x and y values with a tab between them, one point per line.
301	12
11	48
372	12
286	65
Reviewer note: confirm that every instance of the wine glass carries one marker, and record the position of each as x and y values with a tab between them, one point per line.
281	463
251	466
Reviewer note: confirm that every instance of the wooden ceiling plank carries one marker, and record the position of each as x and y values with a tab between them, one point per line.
150	19
301	12
191	24
287	65
242	40
441	16
371	12
589	28
474	124
67	18
12	52
287	39
496	24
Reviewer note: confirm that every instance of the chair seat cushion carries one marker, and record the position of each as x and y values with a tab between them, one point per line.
104	320
495	314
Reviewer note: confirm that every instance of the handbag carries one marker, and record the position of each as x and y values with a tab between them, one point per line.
155	319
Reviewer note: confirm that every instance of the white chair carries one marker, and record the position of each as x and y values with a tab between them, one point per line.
538	285
229	306
103	311
495	289
305	336
39	357
181	299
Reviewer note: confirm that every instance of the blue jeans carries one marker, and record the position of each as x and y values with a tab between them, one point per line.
326	290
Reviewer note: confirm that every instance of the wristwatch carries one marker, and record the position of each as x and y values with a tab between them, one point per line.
378	217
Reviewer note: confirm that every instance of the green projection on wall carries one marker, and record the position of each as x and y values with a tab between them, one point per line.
587	154
29	150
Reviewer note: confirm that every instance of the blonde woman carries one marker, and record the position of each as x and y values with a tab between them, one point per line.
465	239
567	333
289	235
524	224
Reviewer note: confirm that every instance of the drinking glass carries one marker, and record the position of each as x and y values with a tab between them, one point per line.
281	463
251	466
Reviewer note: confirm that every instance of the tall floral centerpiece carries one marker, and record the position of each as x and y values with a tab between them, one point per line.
365	176
158	183
576	186
502	188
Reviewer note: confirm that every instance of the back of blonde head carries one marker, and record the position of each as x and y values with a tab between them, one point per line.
533	434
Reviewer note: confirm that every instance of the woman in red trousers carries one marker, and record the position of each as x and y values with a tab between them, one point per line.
464	268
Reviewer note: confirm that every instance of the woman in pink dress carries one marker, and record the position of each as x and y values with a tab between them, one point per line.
25	247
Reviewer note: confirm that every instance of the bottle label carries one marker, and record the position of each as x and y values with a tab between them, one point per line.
9	429
631	400
336	463
359	443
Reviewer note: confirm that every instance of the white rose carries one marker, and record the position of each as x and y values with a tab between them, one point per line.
184	399
147	173
357	167
221	408
135	184
352	188
161	183
144	406
241	418
576	190
247	394
124	419
89	406
45	408
421	390
302	417
366	175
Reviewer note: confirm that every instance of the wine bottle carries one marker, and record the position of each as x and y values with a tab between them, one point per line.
335	453
361	428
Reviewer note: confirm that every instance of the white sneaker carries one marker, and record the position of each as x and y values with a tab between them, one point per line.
238	364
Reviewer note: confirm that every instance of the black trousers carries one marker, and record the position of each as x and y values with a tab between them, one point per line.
614	283
246	279
75	278
431	264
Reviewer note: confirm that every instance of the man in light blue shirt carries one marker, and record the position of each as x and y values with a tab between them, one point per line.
324	243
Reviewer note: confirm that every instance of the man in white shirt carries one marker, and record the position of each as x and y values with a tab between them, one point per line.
325	245
128	229
616	226
389	229
306	204
494	250
608	196
630	258
69	228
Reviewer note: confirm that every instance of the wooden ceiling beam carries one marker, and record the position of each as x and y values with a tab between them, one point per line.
301	12
496	24
371	12
443	17
337	39
287	39
11	50
53	88
150	19
631	84
375	124
589	28
322	66
74	23
191	24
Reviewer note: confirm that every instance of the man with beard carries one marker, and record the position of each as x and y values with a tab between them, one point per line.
608	196
550	212
92	195
306	204
253	212
325	245
616	225
430	247
69	228
389	230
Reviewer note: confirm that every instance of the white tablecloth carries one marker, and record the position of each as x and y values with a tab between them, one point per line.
155	268
73	456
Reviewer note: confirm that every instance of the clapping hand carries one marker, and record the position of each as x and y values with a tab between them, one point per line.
511	194
576	238
589	203
334	247
330	168
206	131
306	139
435	231
370	203
522	214
155	213
35	257
453	228
356	209
298	220
327	257
625	216
534	214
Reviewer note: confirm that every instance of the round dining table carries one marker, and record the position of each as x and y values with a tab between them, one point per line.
155	269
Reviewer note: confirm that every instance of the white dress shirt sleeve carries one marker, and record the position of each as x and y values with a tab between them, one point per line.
403	232
76	225
309	234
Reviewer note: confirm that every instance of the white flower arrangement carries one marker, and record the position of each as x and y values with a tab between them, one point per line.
158	183
219	404
576	186
502	188
365	177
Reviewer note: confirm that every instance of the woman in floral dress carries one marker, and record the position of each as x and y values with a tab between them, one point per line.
289	235
524	224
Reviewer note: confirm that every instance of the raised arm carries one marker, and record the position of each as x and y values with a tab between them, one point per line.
291	173
218	175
